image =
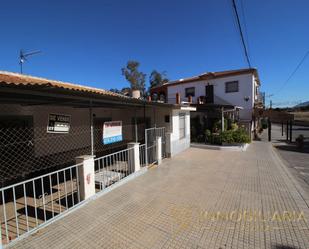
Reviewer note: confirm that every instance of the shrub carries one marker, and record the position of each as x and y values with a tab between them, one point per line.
227	137
237	136
208	136
234	126
216	139
241	136
300	141
217	126
264	123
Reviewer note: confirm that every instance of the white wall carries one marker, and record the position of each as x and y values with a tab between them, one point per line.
246	88
178	145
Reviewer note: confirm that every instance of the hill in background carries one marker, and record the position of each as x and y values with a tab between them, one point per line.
302	104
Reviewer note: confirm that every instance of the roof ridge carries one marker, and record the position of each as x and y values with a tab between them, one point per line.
57	82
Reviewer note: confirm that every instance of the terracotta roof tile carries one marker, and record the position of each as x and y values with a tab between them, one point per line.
9	78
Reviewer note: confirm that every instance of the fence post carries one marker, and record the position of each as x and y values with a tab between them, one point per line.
287	130
168	144
269	130
134	162
159	149
291	129
86	175
146	148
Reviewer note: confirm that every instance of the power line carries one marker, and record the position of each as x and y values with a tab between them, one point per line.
241	34
295	70
245	25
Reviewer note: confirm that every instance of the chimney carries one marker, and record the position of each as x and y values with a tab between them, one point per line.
136	94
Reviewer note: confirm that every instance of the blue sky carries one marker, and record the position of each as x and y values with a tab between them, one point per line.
88	42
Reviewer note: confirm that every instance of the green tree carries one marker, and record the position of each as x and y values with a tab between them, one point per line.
157	79
134	76
115	90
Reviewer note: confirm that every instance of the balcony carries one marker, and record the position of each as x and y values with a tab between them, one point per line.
260	99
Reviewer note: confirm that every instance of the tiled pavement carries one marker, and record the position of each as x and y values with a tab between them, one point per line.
296	160
176	205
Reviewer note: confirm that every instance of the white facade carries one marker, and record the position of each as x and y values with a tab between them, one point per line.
244	98
177	143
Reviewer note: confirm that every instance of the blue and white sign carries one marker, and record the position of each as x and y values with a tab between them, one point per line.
112	132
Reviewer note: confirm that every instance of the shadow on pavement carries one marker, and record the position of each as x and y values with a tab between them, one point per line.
277	246
293	148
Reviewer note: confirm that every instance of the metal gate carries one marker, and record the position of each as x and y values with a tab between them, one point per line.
150	142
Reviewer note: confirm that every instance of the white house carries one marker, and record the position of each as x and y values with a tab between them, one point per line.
238	89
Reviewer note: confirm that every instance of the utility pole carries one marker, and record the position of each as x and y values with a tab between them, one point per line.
270	101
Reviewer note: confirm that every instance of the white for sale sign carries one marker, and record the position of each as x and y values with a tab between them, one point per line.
112	132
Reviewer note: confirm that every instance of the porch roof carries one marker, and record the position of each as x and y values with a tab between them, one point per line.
29	90
210	106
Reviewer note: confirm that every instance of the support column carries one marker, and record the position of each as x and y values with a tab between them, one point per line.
133	160
159	149
86	176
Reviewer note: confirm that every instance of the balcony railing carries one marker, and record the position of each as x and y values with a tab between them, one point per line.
260	98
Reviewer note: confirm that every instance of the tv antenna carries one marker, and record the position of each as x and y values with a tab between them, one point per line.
23	57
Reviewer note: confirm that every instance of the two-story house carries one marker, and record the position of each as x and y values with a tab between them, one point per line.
235	93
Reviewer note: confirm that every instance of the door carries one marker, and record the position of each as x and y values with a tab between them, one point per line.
209	93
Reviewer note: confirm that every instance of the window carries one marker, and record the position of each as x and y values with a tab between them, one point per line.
231	87
167	118
190	91
182	125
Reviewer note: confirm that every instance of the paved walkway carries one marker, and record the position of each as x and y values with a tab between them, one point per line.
176	206
296	160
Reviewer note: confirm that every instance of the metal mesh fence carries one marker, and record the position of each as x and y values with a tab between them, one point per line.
26	152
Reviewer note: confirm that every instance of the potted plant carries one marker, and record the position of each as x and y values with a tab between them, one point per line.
135	78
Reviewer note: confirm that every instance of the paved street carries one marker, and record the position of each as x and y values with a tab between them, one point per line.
199	199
